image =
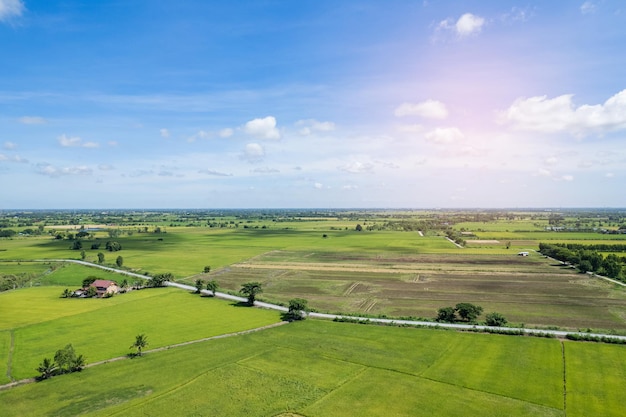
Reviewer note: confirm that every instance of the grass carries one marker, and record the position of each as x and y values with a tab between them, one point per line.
105	328
595	380
317	368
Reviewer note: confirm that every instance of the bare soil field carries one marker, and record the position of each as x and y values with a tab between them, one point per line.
530	290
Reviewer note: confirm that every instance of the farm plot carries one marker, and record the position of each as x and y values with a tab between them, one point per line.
529	290
42	323
317	368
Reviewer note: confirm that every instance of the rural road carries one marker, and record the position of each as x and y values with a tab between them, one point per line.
557	333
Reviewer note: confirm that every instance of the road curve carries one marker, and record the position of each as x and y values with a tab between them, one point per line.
556	333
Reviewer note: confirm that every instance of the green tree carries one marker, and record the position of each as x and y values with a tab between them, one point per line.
89	280
207	269
251	289
100	257
141	341
495	319
446	314
468	311
119	261
67	293
83	255
47	368
297	306
91	292
359	228
212	286
68	361
76	245
585	266
159	280
199	285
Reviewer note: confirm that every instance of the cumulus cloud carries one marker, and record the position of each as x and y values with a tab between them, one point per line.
253	152
444	135
75	141
466	25
214	173
430	109
309	126
264	128
318	185
357	167
165	133
553	115
52	171
9	146
226	133
31	120
10	9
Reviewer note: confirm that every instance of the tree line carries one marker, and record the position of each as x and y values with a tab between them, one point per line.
585	259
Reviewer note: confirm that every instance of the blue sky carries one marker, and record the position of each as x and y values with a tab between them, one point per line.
312	103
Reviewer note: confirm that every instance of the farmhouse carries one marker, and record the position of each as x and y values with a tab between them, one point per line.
105	286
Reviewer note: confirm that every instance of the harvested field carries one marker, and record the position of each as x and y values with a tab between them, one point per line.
530	290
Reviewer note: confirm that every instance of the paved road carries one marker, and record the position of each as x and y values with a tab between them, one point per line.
557	333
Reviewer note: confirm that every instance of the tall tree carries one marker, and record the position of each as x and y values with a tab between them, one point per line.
212	286
297	306
468	311
141	341
199	285
100	257
251	289
119	261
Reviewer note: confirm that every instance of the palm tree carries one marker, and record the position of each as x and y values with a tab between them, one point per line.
47	368
141	341
251	289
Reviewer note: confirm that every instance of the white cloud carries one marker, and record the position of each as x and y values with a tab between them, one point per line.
14	158
559	114
444	135
430	109
31	120
308	126
350	187
410	128
105	167
214	173
265	170
588	7
165	133
551	160
11	8
201	134
567	177
318	185
9	146
469	24
226	133
52	171
357	167
609	175
263	128
75	141
253	152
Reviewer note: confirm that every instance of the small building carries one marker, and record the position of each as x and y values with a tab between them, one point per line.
523	254
105	286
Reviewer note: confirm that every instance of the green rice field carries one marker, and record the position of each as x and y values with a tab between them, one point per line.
317	368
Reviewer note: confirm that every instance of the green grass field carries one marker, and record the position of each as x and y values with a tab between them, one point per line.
319	368
42	323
